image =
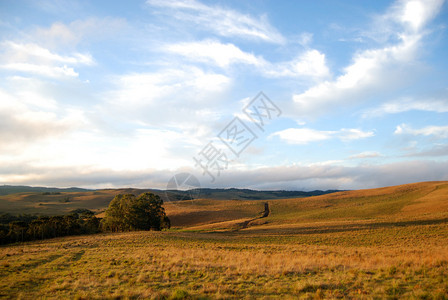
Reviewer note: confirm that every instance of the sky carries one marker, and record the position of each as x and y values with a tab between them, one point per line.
295	95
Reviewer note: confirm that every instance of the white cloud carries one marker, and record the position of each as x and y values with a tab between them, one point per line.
289	177
42	143
183	84
368	71
415	14
305	39
56	72
366	154
303	135
310	63
222	21
307	135
187	99
407	104
212	51
440	132
336	176
58	32
61	35
404	16
437	150
27	118
24	52
45	136
141	125
38	51
139	149
354	134
334	162
371	70
34	59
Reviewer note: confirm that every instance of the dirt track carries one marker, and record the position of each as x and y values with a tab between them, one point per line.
264	214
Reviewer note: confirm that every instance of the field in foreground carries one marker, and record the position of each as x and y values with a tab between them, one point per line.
384	263
382	243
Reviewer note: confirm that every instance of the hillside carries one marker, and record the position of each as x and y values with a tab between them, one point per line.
426	200
405	202
14	189
386	243
54	201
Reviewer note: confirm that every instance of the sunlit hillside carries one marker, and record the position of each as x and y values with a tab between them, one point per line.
418	201
381	243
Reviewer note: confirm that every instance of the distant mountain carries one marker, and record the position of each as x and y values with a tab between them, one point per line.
240	194
14	189
55	201
209	193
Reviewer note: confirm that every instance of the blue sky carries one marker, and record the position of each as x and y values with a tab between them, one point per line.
128	93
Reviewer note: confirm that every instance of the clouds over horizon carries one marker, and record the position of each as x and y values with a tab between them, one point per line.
128	98
290	177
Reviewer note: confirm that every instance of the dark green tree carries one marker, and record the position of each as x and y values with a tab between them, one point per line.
127	212
116	213
40	228
150	212
56	224
91	225
71	224
17	230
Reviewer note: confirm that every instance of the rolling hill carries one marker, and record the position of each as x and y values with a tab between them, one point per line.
385	243
417	201
14	189
54	201
426	200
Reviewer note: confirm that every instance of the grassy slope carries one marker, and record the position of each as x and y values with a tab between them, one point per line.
187	214
38	200
382	243
37	203
419	201
411	200
380	263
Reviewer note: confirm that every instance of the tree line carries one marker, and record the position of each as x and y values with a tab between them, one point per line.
125	213
27	227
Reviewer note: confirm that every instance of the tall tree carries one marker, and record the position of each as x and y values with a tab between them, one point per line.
127	212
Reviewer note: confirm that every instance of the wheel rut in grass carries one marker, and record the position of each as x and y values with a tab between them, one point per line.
31	264
263	214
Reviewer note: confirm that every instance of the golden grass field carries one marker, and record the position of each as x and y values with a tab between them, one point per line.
383	243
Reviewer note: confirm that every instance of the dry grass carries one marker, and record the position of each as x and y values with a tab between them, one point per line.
383	262
373	244
405	203
207	212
